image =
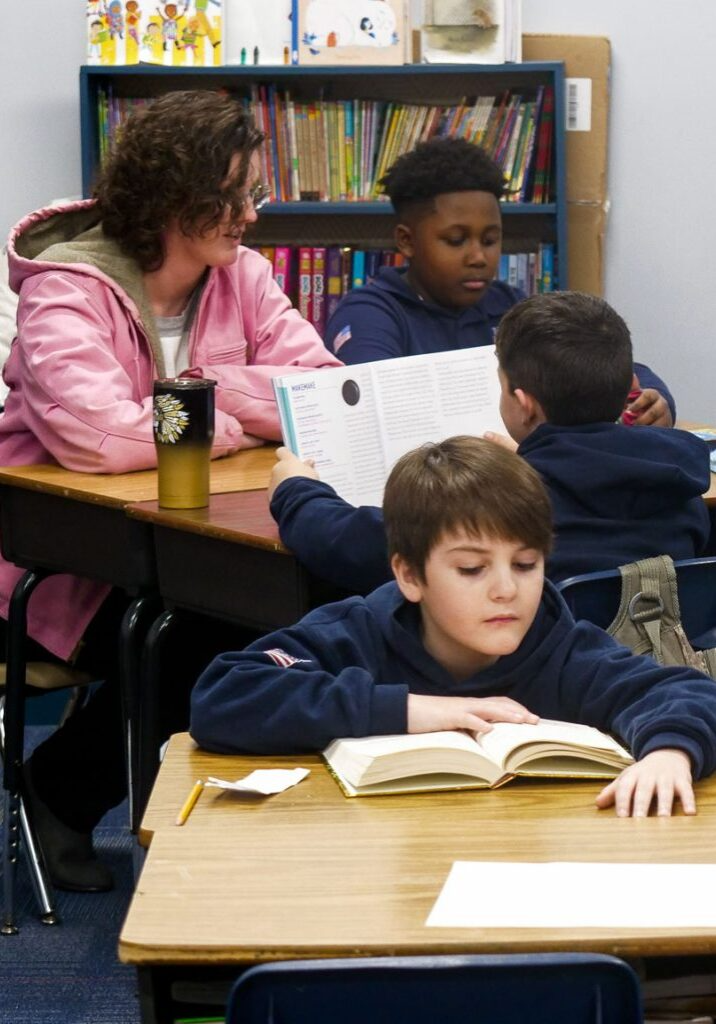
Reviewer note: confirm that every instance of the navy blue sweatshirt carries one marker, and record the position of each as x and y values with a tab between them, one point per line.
386	318
346	670
618	493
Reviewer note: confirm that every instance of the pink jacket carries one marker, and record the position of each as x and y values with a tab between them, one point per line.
80	371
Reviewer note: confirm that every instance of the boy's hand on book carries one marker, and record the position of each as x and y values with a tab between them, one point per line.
503	440
650	409
661	775
289	465
435	714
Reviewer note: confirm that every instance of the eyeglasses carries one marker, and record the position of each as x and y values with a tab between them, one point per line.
259	194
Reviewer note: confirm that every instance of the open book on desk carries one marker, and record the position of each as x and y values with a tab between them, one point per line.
378	765
356	421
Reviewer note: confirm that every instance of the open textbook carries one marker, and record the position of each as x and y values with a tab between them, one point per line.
376	765
356	421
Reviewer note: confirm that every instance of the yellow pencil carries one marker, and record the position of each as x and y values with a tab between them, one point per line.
188	805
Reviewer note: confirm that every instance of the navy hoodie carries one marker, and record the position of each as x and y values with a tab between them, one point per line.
618	493
346	670
386	318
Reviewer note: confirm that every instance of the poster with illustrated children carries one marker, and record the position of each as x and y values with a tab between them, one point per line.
351	31
187	33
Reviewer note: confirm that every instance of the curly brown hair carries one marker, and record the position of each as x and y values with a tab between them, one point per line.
170	163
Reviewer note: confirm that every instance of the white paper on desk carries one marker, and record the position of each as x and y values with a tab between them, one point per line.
264	781
499	894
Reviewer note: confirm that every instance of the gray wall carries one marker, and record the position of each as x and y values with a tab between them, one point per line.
662	155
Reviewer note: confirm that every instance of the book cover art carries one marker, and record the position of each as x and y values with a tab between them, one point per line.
182	34
465	32
258	33
113	31
350	31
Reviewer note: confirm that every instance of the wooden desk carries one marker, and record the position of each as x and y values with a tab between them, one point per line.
309	873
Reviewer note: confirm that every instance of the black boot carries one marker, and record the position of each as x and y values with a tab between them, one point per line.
69	856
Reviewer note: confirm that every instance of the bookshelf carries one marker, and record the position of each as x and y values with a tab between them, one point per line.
366	223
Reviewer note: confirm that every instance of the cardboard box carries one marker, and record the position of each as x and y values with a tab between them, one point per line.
586	230
585	57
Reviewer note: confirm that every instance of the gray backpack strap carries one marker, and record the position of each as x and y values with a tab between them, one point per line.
649	617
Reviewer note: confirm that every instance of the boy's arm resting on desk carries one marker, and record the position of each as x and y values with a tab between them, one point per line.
656	403
334	540
648	706
366	327
77	397
298	689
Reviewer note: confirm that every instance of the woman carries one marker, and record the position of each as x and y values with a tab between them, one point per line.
148	279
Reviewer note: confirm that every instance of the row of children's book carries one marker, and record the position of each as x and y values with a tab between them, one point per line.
317	277
336	150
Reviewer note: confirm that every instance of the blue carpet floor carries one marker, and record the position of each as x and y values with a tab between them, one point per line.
69	973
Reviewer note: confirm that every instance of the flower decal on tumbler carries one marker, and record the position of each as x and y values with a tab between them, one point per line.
170	418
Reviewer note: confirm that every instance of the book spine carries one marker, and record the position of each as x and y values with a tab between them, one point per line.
547	250
305	283
358	268
281	267
540	192
346	265
318	288
333	280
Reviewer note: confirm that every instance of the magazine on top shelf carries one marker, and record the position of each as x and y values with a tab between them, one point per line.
356	421
363	32
466	32
378	765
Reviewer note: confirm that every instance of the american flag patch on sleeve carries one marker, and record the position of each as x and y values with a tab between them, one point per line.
341	338
284	660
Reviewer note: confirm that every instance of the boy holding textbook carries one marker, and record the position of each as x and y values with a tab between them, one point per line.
468	634
618	493
446	194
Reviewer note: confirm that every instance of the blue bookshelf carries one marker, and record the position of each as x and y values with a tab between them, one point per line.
360	223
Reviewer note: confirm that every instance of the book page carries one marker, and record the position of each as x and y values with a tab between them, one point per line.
369	760
356	421
505	737
481	894
329	416
432	397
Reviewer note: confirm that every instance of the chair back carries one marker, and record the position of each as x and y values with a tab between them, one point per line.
539	988
595	596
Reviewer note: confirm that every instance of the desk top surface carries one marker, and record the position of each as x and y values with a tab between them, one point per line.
244	471
311	873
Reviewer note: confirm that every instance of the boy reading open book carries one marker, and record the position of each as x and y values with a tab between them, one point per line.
468	635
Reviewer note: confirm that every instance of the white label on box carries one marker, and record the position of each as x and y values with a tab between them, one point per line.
578	104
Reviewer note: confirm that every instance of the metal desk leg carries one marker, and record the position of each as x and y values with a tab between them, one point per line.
14	727
130	641
149	711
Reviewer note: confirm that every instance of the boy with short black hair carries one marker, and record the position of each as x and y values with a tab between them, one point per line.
468	634
619	493
446	196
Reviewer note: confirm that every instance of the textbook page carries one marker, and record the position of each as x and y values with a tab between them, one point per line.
481	894
356	421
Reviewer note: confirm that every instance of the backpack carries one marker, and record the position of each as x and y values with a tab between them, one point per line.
649	618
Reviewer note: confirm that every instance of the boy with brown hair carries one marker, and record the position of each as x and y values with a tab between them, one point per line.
468	634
